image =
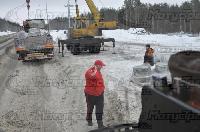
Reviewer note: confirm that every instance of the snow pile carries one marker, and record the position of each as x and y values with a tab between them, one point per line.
59	34
140	36
6	33
139	31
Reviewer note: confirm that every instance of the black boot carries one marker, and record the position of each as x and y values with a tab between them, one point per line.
100	124
90	123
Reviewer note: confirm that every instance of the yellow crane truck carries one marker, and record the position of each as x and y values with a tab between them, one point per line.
84	34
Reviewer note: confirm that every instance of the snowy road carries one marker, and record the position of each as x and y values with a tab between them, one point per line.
48	96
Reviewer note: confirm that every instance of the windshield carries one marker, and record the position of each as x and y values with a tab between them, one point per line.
36	23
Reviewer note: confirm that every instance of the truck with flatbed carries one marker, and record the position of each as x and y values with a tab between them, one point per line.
33	42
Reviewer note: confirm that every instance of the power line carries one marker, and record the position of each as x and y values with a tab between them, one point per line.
12	11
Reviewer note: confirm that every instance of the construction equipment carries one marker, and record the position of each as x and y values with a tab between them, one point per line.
34	43
83	36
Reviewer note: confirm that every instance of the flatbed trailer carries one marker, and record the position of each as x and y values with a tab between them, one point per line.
34	48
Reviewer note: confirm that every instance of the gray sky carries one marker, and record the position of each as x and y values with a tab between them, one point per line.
15	10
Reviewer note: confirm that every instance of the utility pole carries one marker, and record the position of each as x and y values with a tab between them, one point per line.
47	18
68	6
28	6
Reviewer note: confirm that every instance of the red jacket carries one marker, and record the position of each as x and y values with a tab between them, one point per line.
94	82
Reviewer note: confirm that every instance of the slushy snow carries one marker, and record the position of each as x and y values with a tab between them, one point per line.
6	33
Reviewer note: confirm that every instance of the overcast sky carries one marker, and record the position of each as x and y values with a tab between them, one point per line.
15	10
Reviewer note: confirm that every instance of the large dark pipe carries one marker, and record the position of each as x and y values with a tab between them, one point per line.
185	64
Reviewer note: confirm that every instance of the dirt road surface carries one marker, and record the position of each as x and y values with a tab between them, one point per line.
47	96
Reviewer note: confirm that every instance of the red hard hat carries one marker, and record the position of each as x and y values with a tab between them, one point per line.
99	62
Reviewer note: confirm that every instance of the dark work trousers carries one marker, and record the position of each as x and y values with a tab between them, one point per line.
98	102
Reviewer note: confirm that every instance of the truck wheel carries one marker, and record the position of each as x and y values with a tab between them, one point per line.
68	47
97	49
92	49
75	50
22	55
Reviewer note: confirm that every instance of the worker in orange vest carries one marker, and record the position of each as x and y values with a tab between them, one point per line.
94	93
149	55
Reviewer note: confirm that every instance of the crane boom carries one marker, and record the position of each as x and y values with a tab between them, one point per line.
93	10
77	10
82	26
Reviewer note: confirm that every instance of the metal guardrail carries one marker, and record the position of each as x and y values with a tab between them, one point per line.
5	38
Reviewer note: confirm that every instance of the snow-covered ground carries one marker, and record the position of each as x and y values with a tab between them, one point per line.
6	33
49	96
140	36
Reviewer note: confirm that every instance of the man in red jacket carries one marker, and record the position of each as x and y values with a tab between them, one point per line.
94	93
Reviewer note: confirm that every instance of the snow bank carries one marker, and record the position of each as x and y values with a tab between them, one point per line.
6	33
137	31
140	36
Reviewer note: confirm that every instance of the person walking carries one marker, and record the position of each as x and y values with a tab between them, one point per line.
94	93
